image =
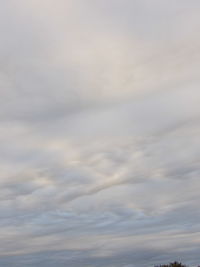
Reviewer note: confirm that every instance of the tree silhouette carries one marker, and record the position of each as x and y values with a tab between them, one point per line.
172	264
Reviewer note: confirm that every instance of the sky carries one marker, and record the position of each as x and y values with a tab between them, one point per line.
99	133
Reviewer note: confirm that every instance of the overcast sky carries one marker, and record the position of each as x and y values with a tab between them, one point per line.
99	132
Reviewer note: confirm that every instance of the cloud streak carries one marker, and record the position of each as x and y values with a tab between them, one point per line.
99	133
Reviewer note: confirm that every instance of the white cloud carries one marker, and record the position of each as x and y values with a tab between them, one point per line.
99	132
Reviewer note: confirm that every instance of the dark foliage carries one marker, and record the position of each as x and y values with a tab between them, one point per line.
172	264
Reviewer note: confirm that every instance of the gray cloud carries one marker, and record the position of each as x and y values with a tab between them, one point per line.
99	133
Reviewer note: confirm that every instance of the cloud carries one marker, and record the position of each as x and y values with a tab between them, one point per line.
99	133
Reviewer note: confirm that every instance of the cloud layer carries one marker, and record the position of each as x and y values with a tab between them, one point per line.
99	132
